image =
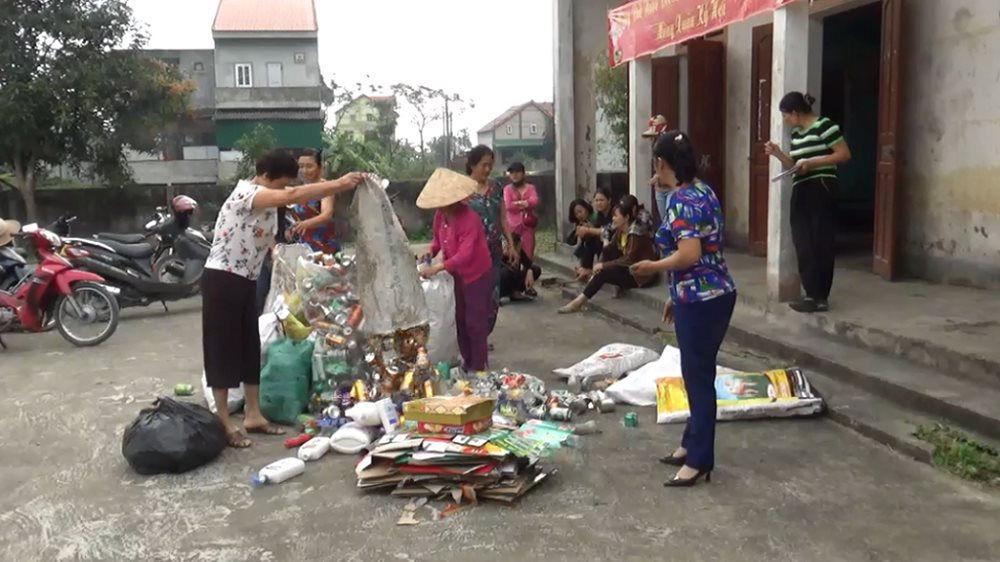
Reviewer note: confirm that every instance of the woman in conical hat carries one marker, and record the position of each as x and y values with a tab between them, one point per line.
460	239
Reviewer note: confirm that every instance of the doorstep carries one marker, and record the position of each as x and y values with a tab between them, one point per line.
865	387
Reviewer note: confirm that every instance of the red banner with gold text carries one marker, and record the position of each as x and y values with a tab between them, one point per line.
643	27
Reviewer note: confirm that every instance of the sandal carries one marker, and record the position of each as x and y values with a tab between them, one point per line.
237	439
266	429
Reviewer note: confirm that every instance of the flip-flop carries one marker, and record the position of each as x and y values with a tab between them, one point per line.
237	439
265	430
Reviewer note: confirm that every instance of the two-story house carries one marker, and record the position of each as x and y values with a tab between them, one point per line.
267	71
520	133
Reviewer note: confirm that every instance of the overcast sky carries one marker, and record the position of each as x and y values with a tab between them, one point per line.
496	53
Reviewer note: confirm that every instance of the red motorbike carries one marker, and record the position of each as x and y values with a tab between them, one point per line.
84	310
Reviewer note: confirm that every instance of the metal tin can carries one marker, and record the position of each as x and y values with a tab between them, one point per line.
335	340
631	419
561	414
358	392
537	413
606	405
183	389
357	315
578	405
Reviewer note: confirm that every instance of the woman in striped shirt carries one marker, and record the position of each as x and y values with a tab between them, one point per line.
817	147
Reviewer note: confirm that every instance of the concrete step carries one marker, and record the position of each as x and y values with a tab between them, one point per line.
871	383
940	347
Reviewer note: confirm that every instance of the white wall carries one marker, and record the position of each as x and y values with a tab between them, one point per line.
259	52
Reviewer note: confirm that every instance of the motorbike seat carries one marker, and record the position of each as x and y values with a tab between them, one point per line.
134	251
122	238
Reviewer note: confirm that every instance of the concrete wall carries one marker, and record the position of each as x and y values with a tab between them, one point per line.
485	139
259	52
501	134
176	172
611	158
951	154
187	59
589	47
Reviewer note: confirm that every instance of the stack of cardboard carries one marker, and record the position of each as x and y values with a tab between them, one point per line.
493	465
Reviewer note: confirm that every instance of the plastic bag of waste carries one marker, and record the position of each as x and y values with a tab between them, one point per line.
611	360
442	338
172	437
387	283
283	267
234	400
284	380
781	393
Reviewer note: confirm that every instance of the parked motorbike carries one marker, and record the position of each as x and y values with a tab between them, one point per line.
163	265
84	309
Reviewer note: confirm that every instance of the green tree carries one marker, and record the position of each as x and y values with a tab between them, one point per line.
76	90
253	145
439	147
611	92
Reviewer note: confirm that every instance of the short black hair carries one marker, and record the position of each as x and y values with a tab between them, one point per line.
676	150
796	102
277	163
515	167
476	155
579	203
315	153
605	192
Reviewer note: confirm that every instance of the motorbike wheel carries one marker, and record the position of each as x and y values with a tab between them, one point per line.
161	271
97	309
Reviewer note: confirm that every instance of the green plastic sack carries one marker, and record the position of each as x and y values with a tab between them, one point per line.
285	379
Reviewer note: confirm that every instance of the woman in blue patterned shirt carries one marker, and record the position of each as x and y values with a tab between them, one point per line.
702	296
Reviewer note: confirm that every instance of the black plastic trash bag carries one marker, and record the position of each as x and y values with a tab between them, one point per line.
173	437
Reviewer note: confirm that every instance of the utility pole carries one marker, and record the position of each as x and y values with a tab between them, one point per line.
447	133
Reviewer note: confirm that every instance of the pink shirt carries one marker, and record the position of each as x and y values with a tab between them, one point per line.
462	239
515	216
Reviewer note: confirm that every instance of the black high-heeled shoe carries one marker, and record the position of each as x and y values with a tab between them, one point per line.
688	482
671	460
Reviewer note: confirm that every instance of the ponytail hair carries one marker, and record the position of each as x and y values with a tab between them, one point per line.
675	148
797	102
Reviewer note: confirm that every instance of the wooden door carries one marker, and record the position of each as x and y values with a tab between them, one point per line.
760	133
887	180
666	89
707	111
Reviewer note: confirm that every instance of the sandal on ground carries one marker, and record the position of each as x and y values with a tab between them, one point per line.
266	429
237	439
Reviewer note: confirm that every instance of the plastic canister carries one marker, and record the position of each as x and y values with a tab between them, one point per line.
279	471
366	413
314	449
388	413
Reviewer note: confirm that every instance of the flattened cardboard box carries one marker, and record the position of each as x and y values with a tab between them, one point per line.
449	410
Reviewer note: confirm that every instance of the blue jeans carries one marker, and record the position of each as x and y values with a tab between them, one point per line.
662	200
700	329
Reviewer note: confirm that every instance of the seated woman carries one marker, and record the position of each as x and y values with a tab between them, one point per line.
589	223
630	243
517	280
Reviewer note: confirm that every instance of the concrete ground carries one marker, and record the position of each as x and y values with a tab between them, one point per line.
802	489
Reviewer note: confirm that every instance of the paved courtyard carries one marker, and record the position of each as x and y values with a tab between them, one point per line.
783	490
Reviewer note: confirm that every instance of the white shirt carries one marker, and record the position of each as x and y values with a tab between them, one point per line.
243	235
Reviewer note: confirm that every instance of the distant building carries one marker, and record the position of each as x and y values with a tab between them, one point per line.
267	71
264	69
362	116
521	132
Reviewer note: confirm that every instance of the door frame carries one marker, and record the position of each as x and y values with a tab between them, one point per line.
760	106
885	259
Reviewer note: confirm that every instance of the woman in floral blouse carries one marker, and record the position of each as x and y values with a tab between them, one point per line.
702	296
488	203
244	234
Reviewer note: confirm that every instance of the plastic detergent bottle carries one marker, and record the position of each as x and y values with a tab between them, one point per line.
279	471
314	449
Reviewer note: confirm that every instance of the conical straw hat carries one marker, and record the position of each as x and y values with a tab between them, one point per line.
444	188
7	231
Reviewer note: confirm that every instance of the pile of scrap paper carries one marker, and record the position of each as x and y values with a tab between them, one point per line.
448	450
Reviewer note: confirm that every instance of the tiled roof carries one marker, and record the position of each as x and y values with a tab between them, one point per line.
546	107
265	15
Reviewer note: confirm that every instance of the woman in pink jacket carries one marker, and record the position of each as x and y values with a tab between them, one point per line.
521	198
461	239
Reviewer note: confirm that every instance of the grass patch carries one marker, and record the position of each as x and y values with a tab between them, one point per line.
545	240
961	455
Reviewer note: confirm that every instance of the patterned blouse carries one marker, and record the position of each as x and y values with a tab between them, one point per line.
695	212
322	238
488	206
243	235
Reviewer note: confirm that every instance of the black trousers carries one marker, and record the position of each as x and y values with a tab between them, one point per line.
813	228
588	250
512	279
615	274
230	337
